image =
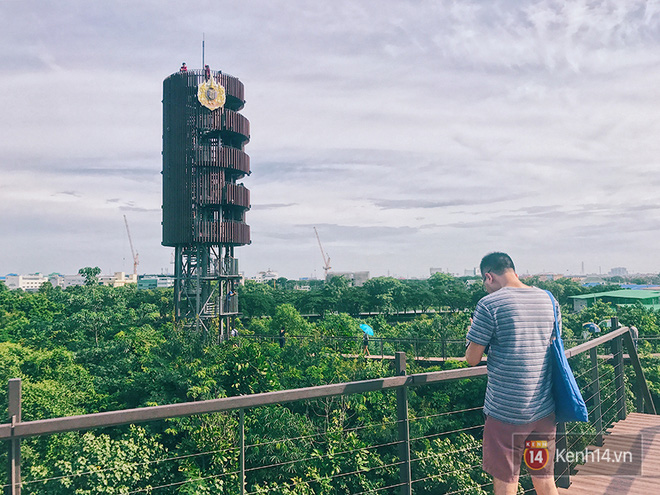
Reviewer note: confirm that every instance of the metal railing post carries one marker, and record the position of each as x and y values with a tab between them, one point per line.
403	427
620	392
241	433
562	466
595	392
644	399
639	397
14	410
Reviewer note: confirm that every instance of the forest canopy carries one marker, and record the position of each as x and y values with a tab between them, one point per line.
93	348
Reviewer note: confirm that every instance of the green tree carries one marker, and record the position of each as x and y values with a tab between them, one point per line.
418	295
450	292
92	464
381	293
287	317
256	299
90	274
353	300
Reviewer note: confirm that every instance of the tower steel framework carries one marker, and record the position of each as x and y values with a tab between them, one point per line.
204	205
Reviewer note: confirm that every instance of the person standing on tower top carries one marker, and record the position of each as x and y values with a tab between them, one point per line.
207	72
183	68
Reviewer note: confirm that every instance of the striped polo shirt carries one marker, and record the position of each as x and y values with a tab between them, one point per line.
517	323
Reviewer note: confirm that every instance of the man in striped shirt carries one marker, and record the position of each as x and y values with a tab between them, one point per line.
516	322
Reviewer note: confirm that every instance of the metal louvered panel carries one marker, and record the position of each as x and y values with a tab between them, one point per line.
236	195
224	157
209	186
235	122
227	232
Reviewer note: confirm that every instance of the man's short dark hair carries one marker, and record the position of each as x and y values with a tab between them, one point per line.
496	263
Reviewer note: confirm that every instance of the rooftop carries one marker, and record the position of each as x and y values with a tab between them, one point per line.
623	293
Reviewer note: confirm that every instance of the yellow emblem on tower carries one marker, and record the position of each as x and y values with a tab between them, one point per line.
211	94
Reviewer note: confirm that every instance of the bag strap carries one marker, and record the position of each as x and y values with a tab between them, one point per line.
556	332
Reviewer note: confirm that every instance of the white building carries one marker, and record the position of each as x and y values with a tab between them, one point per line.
65	281
266	276
119	279
30	282
356	279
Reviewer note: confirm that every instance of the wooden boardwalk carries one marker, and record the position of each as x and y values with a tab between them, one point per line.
637	473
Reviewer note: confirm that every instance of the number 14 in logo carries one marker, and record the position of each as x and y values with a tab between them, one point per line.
536	454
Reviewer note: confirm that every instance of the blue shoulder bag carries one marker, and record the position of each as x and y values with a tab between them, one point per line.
569	404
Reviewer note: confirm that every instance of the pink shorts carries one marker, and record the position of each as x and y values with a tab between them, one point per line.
505	443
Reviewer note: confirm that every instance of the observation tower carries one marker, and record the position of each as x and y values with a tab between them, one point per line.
204	204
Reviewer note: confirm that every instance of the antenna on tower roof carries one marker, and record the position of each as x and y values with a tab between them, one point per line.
203	65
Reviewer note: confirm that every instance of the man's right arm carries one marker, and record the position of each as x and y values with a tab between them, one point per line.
481	330
474	353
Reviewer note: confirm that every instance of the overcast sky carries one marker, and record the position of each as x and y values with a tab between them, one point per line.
412	134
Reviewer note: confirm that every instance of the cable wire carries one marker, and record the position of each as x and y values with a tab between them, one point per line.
444	453
445	473
373	490
446	433
322	456
340	475
445	413
347	430
461	491
179	483
135	464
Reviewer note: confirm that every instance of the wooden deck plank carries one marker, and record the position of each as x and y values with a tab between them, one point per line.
611	478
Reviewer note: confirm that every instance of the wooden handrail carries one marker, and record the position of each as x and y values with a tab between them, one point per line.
153	413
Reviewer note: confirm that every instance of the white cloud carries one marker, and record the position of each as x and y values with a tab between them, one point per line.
412	134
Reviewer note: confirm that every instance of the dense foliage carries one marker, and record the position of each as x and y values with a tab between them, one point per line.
92	348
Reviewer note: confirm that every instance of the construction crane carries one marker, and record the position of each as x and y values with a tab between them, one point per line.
326	258
136	256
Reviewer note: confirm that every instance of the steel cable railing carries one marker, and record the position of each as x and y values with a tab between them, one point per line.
452	452
435	348
355	449
433	476
130	464
376	490
436	435
340	475
390	425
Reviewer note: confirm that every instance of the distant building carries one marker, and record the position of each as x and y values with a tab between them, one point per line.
30	282
357	279
263	277
119	279
151	282
619	271
64	281
640	286
623	297
593	280
547	277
